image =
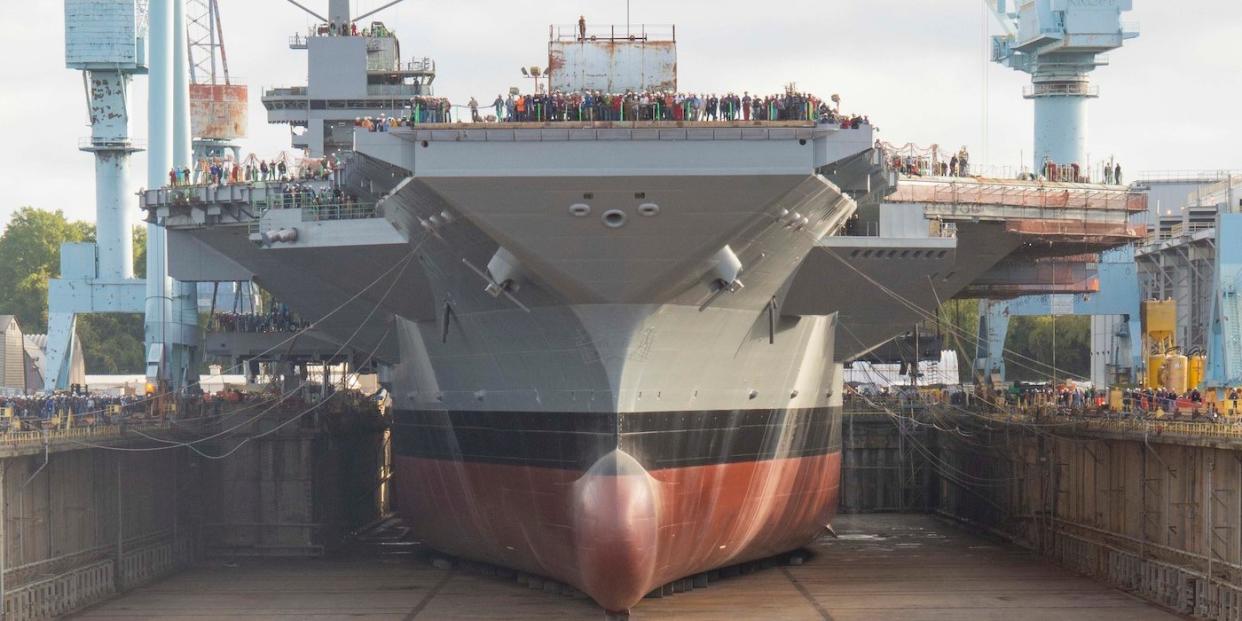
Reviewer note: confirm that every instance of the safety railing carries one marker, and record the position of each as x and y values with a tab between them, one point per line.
1229	428
339	211
89	142
1061	89
78	432
624	32
71	590
55	597
1017	194
293	91
148	563
396	90
1227	431
425	65
1201	176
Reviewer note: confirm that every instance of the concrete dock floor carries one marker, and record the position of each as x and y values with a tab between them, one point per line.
882	567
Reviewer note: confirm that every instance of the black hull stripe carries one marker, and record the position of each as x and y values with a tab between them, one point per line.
576	440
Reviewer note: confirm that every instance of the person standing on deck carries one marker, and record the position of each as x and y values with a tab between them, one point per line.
499	105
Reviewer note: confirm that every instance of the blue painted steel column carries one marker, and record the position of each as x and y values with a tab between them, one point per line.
1060	130
110	142
1225	338
186	298
1118	297
159	162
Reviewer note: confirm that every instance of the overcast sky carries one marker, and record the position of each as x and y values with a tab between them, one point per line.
917	67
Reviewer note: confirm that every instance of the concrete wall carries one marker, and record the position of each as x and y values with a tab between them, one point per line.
293	493
98	521
881	469
1160	519
1152	516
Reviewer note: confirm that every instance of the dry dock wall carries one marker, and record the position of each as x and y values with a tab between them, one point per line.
79	524
86	524
1157	516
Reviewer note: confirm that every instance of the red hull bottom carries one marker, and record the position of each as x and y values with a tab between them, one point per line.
617	531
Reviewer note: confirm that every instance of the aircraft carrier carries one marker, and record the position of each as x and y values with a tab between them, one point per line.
613	348
591	372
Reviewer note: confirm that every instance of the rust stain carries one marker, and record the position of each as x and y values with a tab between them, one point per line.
219	111
614	65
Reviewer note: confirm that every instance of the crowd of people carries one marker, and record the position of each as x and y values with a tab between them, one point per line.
662	106
219	171
594	106
278	319
1135	402
348	29
331	202
1066	401
89	408
1073	173
919	165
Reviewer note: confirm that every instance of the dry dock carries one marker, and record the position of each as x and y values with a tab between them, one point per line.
882	567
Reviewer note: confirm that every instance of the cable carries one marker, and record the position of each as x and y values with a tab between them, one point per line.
928	315
296	417
374	308
292	336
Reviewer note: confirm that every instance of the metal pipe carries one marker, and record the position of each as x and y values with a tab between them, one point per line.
186	317
4	536
119	575
159	163
46	456
312	13
181	147
373	12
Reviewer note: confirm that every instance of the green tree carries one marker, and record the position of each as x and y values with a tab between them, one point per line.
959	323
30	256
1037	348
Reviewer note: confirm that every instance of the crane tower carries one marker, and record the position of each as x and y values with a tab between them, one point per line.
218	107
1059	42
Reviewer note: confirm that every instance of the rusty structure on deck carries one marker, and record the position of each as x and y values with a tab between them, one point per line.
218	107
642	57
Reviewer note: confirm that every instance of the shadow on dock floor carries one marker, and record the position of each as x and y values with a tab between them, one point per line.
881	567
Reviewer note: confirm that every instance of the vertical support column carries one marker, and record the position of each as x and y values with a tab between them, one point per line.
4	538
61	333
159	162
186	342
1060	126
119	578
338	12
108	103
1209	526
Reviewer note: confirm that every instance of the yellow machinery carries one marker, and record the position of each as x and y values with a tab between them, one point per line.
1116	400
1159	325
1176	372
1198	370
1155	371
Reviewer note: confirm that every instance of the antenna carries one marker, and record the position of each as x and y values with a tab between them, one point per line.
218	107
205	35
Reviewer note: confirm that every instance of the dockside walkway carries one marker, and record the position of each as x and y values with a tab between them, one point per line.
1192	428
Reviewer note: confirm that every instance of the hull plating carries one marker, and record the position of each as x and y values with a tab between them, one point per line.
617	530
